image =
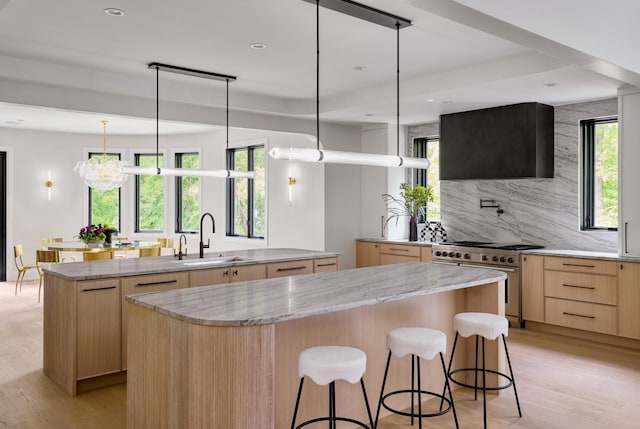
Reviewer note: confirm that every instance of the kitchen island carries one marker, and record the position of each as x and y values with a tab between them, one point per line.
226	356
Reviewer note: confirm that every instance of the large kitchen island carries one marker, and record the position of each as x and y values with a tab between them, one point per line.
225	356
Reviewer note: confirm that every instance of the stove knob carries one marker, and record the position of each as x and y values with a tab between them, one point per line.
451	254
467	256
502	259
438	253
510	260
458	255
494	258
484	257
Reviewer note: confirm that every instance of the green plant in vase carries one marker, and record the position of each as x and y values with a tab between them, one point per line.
93	233
411	203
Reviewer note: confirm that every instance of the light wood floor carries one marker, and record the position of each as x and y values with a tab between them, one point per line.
562	382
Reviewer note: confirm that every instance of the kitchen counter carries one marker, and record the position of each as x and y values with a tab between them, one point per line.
277	300
611	256
399	241
167	264
226	356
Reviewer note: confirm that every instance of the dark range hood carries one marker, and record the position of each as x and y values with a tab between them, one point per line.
506	142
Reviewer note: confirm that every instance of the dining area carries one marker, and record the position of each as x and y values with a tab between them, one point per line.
57	250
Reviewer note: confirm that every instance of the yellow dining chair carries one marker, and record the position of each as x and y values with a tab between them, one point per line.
97	256
20	266
45	257
150	251
44	243
120	254
167	243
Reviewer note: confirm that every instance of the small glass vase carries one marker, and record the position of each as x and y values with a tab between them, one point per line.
94	243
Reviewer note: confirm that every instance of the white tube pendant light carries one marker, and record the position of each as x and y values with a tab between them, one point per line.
357	158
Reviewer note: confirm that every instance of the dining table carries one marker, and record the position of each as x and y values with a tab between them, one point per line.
81	246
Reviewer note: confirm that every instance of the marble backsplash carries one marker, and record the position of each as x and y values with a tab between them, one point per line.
536	211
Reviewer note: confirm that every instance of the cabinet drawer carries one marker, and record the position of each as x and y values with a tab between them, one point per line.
581	315
293	268
581	287
154	282
386	259
400	250
580	265
325	265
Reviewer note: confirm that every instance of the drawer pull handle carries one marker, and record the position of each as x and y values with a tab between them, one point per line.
578	265
235	272
98	288
579	287
327	265
301	267
578	315
165	282
398	249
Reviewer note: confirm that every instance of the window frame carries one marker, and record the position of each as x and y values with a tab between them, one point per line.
90	196
587	173
420	150
177	158
136	196
230	227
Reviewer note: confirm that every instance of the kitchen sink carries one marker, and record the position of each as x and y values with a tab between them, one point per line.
213	261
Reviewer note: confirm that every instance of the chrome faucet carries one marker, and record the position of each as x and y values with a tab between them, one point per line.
213	229
180	254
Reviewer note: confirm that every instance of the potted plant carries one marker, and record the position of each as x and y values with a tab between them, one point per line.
93	235
411	203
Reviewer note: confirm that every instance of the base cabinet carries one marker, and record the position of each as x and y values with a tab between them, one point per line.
367	254
398	253
216	276
98	332
629	300
533	288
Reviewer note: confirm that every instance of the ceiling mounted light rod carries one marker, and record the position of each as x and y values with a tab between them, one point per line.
191	72
356	158
365	12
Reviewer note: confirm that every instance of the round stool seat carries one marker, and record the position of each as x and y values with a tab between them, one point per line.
423	342
330	363
487	325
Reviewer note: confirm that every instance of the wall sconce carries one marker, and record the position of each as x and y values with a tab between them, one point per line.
292	181
49	185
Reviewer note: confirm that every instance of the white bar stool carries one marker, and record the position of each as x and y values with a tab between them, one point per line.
488	326
324	365
422	343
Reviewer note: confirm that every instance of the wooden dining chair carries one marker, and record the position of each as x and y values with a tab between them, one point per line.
120	254
97	256
167	243
20	266
44	243
150	251
45	257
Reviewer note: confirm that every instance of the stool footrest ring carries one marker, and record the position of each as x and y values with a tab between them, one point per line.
412	414
338	419
479	370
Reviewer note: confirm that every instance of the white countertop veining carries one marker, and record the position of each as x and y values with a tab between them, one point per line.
276	300
166	264
612	256
398	241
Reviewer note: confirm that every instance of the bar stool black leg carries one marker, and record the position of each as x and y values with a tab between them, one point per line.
413	377
447	386
448	370
419	395
475	391
332	405
513	379
384	380
484	385
366	402
295	410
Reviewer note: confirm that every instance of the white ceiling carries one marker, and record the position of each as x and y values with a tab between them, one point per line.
448	63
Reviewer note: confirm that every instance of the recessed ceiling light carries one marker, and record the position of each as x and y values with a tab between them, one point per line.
360	68
550	84
112	11
430	100
258	46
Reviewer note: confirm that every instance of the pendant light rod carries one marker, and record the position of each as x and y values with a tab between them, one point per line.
158	120
365	12
398	89
318	74
191	72
227	112
104	140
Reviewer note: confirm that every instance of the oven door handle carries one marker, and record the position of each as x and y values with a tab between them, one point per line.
489	267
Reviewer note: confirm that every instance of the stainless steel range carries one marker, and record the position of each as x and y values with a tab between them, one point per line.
496	256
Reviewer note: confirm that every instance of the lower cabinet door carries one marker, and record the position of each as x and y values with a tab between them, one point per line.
581	315
98	330
293	268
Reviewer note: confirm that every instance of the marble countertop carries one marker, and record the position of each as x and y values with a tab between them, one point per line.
276	300
398	241
613	256
167	264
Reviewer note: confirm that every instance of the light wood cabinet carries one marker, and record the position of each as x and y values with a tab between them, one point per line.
581	293
367	254
398	253
98	332
426	255
629	144
629	300
325	265
292	268
533	288
216	276
147	284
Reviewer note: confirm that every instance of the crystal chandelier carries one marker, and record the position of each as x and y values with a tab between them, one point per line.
101	172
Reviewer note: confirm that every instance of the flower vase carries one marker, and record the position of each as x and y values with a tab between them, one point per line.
413	229
94	243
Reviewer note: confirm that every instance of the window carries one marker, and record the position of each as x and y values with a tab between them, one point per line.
429	148
149	196
187	194
246	197
104	206
599	174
